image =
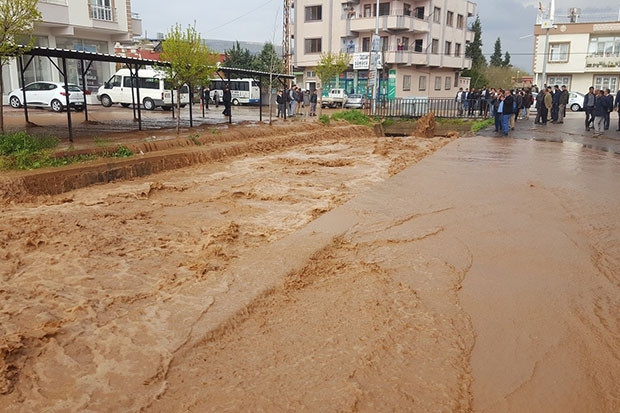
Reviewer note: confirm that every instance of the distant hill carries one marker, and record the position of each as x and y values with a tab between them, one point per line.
220	46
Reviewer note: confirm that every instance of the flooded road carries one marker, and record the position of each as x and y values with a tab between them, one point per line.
486	277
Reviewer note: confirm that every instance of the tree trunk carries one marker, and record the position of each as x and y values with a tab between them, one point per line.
178	109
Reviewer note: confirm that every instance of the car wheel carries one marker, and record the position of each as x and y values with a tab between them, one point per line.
14	102
125	105
575	107
148	104
106	101
56	105
235	102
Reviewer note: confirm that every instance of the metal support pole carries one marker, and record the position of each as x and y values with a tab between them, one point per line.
260	101
68	103
191	100
373	61
21	72
544	73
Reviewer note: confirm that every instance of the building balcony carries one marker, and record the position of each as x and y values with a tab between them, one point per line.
471	9
389	22
405	58
602	63
136	24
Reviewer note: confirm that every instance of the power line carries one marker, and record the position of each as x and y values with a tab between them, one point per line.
239	17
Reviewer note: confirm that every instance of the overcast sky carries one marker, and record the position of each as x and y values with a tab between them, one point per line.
261	20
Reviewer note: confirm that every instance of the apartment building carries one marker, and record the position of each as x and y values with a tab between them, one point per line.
89	25
579	55
422	47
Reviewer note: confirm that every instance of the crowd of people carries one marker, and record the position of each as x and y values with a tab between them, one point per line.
507	106
297	101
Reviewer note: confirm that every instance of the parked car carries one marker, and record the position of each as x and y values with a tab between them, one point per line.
355	101
335	98
575	101
49	95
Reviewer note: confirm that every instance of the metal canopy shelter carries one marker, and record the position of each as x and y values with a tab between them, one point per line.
86	59
281	77
134	64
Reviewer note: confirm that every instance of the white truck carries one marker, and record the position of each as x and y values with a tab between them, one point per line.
335	98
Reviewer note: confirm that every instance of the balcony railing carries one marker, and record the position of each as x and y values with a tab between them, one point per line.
58	2
597	62
393	21
102	13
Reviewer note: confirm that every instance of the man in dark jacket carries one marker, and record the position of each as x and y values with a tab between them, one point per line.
588	107
226	97
507	110
610	107
556	103
602	108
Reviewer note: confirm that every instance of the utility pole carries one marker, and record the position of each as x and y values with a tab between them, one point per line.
286	37
547	24
374	58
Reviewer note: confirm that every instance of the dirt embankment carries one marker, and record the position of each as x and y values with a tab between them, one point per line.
105	287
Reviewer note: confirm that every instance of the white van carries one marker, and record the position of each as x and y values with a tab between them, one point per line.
154	90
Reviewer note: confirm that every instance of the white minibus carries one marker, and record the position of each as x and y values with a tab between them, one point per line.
154	90
242	91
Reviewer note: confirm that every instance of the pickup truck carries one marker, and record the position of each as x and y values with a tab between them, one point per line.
335	98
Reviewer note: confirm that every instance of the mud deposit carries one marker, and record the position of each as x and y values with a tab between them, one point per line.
184	289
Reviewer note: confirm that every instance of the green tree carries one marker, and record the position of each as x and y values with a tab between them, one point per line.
238	58
474	48
190	61
496	58
330	65
478	62
506	62
269	61
17	20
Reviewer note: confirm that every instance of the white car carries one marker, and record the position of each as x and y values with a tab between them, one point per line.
575	101
48	95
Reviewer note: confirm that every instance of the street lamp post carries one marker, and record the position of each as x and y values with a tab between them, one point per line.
373	60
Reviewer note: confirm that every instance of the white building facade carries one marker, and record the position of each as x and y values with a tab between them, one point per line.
89	25
579	55
422	43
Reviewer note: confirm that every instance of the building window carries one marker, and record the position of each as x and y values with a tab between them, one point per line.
385	41
450	18
457	49
456	79
312	46
419	45
407	9
419	13
406	82
437	82
435	46
405	43
559	80
101	10
422	83
558	52
314	13
310	74
384	9
437	15
459	21
604	46
366	44
448	48
368	10
448	85
606	82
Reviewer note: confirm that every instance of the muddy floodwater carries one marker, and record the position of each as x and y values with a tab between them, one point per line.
351	273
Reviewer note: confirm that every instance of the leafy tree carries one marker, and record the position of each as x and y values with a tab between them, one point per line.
478	62
269	61
239	58
474	48
496	57
330	65
191	62
501	77
506	62
17	20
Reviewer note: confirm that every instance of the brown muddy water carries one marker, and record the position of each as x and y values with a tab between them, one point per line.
483	278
